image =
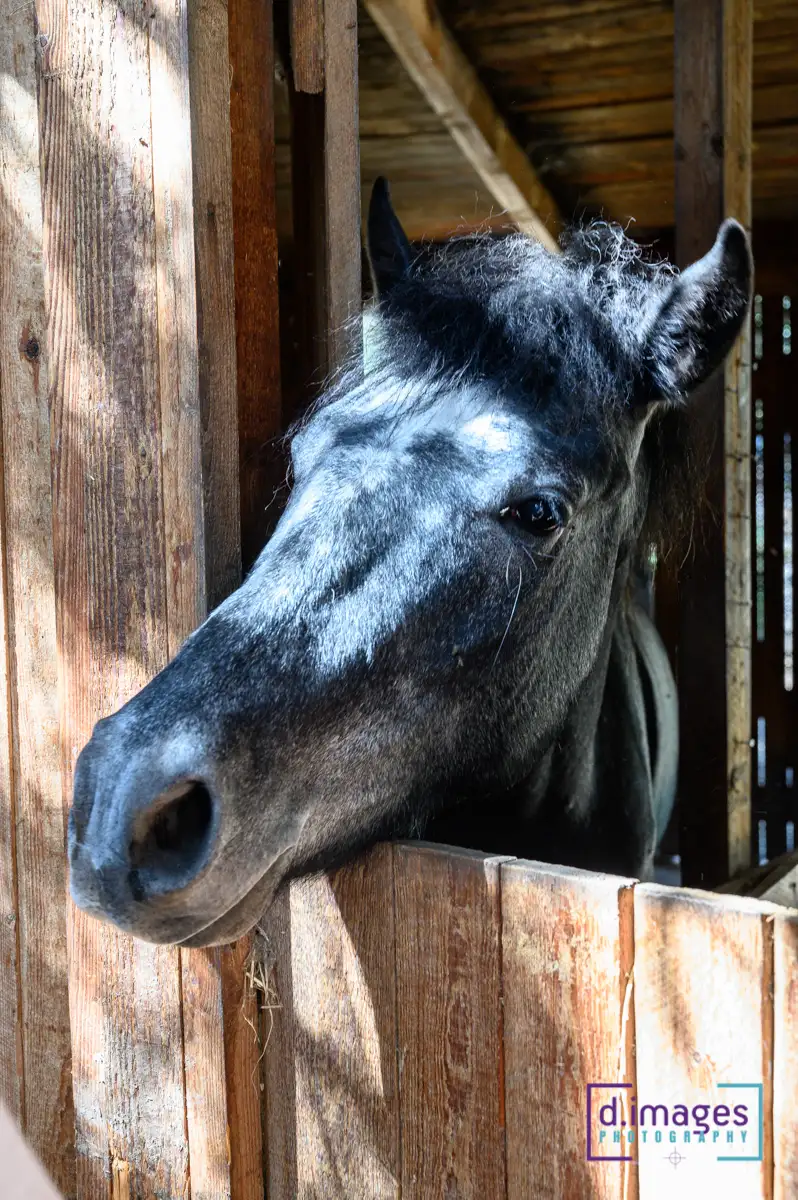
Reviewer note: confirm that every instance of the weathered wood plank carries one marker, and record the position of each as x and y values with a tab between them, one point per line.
332	1085
325	170
449	82
738	38
242	1062
785	1057
215	287
33	812
449	1022
704	1019
307	45
567	953
713	179
251	47
101	245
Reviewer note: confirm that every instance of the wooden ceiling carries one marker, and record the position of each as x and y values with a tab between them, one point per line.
586	87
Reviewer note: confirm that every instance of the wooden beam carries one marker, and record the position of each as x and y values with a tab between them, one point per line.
712	88
447	80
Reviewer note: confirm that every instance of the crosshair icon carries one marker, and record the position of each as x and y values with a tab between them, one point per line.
674	1158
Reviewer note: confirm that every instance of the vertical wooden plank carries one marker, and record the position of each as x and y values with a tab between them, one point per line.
785	1057
738	43
251	40
242	1073
307	45
279	1069
704	1016
332	1089
326	198
32	797
215	288
12	1082
199	452
101	243
449	1022
567	954
712	129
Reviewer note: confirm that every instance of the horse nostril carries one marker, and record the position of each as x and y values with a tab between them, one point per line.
171	839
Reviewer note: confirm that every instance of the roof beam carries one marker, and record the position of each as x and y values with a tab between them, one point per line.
447	80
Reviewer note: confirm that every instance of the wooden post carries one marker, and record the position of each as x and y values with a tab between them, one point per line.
260	415
712	125
325	181
35	1079
144	480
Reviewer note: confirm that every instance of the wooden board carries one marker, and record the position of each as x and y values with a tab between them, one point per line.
35	1078
567	952
215	295
704	1019
331	1061
449	1023
260	418
112	617
713	180
785	1056
129	547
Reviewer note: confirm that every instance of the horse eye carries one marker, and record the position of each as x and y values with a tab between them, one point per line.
538	515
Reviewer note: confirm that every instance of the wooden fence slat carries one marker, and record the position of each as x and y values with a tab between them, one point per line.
251	42
704	1017
215	290
712	132
110	549
332	1094
449	1023
325	182
33	816
279	1073
785	1057
199	453
307	45
567	950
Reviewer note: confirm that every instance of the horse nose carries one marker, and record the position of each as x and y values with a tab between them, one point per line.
128	847
171	839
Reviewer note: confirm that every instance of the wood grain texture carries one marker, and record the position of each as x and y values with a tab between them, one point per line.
450	84
449	1022
704	1018
332	1084
738	37
307	45
251	47
242	1055
785	1056
713	178
33	812
567	953
325	202
215	288
112	587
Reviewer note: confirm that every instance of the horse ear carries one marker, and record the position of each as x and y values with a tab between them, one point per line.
696	324
388	248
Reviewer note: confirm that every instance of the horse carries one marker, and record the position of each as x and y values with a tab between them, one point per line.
443	636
